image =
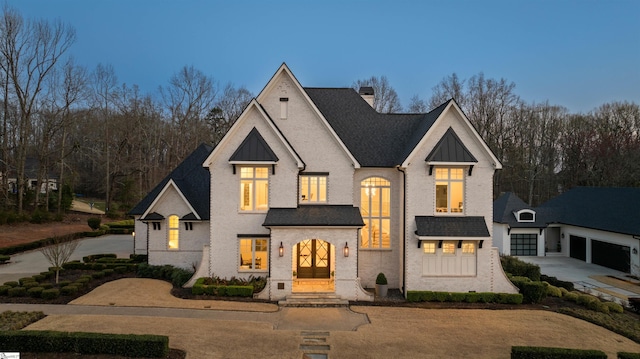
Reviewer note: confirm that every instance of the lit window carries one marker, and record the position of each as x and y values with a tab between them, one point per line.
449	247
174	232
254	188
254	254
375	208
449	190
468	248
313	189
429	247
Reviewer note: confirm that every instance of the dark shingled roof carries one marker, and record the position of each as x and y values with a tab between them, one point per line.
450	149
508	203
603	208
192	179
374	139
447	226
315	215
153	216
254	148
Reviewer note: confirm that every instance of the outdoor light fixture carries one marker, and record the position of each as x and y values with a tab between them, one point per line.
133	234
281	250
345	251
635	250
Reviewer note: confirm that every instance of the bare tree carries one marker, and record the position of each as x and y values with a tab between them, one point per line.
450	87
385	98
29	50
226	111
59	252
417	105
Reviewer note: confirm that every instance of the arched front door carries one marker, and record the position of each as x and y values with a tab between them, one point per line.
314	256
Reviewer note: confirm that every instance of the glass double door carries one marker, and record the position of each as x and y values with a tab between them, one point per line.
314	256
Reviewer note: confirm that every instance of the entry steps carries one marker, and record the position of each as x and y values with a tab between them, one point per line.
315	299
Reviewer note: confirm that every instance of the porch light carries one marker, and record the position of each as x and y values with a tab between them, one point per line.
133	234
345	250
281	250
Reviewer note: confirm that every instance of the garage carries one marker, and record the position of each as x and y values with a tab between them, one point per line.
524	244
611	255
578	247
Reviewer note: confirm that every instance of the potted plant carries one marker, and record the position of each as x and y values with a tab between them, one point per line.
381	285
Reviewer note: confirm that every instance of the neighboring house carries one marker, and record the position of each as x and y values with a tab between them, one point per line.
598	225
315	190
31	168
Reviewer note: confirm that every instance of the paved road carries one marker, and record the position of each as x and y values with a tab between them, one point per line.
34	262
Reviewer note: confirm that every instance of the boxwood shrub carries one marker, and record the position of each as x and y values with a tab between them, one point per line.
129	345
51	293
4	258
97	275
69	290
12	283
555	353
614	308
4	289
517	267
46	285
64	283
35	292
625	355
28	285
22	281
222	290
471	297
17	292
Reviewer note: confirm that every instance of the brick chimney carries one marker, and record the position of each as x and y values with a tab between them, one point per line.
367	94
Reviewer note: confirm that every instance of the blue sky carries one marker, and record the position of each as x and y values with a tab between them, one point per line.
578	54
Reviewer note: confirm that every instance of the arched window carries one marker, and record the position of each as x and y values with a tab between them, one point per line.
375	207
174	232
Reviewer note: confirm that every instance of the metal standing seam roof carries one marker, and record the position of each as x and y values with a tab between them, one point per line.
451	226
374	139
254	148
314	215
450	149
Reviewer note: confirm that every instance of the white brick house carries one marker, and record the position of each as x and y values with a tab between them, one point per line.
312	184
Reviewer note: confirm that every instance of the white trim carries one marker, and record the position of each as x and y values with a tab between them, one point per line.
155	201
452	104
518	213
451	164
427	238
234	128
284	68
253	163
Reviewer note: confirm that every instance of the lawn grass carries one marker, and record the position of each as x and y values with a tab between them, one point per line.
17	320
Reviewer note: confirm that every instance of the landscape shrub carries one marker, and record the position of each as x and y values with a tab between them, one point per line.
22	281
69	290
532	292
120	269
51	293
614	307
471	297
553	291
598	306
221	290
586	299
46	285
128	345
35	292
47	274
4	258
517	267
139	258
557	282
40	216
12	283
4	289
624	355
180	276
457	297
555	353
39	277
572	296
107	272
98	266
28	285
97	275
83	281
17	292
74	265
125	223
64	283
564	291
95	257
94	222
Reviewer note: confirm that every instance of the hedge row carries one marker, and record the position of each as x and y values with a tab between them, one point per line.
472	297
177	276
223	290
116	266
4	258
532	291
129	345
519	268
555	353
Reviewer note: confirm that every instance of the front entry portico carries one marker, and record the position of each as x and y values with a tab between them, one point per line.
313	266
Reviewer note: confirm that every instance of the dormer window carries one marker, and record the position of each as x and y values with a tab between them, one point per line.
526	216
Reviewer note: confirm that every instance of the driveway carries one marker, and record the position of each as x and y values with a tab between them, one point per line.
33	262
587	277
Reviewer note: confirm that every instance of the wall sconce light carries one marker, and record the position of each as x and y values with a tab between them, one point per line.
562	235
281	250
345	250
635	250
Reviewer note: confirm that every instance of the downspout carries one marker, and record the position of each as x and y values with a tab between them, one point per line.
404	229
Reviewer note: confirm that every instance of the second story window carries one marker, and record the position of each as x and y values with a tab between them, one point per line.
174	232
254	189
313	189
375	208
449	190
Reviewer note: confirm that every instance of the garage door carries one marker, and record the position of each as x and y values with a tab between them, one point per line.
524	244
610	255
578	247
